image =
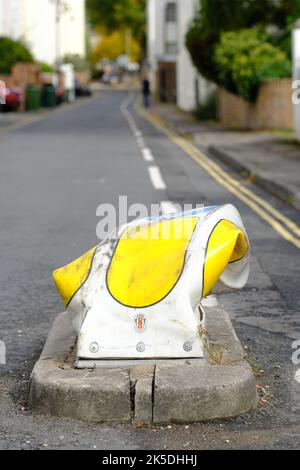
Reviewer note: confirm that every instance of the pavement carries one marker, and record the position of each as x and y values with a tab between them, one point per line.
10	121
13	120
271	160
54	174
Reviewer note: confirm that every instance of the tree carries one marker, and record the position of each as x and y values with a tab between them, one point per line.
287	16
245	58
80	63
112	45
12	52
46	68
116	15
217	16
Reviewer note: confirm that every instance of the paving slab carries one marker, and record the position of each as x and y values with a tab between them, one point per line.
91	395
192	393
273	166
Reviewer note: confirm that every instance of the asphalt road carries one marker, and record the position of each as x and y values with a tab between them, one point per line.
54	173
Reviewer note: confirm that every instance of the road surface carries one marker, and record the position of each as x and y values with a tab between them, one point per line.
54	173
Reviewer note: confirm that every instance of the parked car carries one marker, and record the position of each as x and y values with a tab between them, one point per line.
81	90
59	93
13	100
110	78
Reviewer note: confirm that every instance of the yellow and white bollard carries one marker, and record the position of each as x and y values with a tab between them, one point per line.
137	295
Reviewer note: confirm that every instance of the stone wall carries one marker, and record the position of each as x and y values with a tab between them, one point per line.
8	80
23	74
273	108
83	76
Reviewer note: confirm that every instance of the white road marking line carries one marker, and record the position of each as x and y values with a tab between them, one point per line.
156	178
297	376
140	141
155	175
167	207
147	154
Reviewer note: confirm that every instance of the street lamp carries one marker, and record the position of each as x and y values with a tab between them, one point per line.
61	7
58	10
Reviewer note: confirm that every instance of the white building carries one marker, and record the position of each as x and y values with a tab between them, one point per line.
173	76
34	21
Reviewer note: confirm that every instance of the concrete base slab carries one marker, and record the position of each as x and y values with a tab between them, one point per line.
156	391
93	395
117	363
192	393
142	383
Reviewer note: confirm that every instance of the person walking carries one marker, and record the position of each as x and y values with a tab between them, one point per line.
146	92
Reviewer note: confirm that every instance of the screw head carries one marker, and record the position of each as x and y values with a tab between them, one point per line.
187	346
140	347
94	347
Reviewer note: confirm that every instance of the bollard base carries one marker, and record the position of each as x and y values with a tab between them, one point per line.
145	391
121	363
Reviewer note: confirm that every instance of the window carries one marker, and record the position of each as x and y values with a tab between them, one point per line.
171	12
171	48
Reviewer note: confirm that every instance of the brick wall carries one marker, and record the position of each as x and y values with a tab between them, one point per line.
8	80
83	76
272	109
23	74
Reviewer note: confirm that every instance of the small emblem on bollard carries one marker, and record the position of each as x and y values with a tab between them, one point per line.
140	323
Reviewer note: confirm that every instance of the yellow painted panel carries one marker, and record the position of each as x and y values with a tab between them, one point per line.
71	277
148	262
227	244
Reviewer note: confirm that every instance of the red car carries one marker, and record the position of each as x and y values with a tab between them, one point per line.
59	93
12	100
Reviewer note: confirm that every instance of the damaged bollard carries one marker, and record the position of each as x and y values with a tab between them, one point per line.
135	326
137	295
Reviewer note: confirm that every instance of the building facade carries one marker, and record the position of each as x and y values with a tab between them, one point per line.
173	76
35	22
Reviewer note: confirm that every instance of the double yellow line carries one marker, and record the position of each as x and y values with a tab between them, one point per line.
282	224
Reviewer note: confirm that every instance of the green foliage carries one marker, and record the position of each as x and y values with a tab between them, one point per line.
200	44
47	68
207	110
112	45
12	52
283	38
118	15
216	17
244	59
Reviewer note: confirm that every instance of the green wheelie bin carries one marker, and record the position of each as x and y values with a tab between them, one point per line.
48	96
32	98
